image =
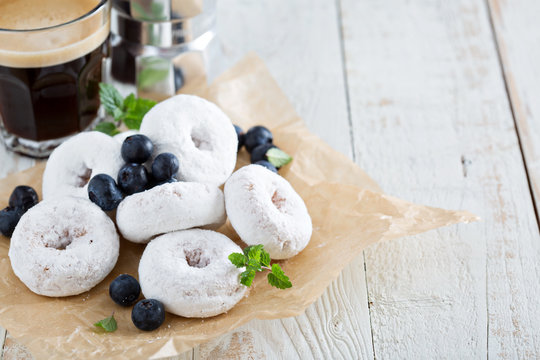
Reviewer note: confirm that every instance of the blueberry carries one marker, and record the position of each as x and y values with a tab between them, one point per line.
153	182
241	136
178	78
148	314
259	153
132	178
137	149
165	166
267	165
256	136
125	290
23	197
103	191
9	218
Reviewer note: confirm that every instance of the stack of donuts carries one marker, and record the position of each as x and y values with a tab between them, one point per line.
66	244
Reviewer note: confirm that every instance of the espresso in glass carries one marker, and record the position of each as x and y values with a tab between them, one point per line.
51	55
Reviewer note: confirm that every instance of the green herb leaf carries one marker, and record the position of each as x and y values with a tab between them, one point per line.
278	157
256	259
255	252
108	128
253	265
111	99
108	324
135	109
247	277
265	258
278	278
238	260
154	70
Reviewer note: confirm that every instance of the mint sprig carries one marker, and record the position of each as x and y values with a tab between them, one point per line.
278	157
255	259
108	324
108	128
130	110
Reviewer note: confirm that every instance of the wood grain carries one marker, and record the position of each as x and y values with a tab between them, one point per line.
515	26
432	124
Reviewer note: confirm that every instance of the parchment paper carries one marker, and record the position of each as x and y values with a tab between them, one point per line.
348	215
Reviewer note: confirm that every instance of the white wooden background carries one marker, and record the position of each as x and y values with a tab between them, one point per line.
440	102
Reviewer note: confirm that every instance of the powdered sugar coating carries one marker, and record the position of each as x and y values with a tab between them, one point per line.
264	209
200	135
169	207
63	247
190	273
71	165
124	135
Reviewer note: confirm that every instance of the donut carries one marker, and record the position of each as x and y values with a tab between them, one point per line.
63	247
76	161
124	135
264	209
169	207
190	273
200	135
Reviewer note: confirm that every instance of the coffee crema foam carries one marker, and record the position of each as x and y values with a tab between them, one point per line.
24	49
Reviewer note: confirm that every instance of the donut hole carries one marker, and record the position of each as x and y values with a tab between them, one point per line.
83	177
278	200
201	140
196	258
65	239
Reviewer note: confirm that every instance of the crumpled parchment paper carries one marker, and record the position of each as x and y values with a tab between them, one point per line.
348	211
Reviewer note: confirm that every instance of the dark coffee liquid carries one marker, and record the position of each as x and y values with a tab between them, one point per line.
53	101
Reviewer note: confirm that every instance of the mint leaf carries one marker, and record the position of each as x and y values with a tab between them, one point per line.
238	259
265	258
108	324
278	157
135	109
154	70
108	128
254	252
111	99
253	265
278	278
247	277
256	259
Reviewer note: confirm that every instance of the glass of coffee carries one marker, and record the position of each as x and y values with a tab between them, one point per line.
51	55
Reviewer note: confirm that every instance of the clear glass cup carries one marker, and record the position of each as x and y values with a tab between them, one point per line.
50	75
160	46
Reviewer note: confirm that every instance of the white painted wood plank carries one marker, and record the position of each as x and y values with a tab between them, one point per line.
299	41
518	36
433	125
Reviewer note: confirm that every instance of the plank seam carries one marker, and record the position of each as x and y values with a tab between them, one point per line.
345	78
511	105
369	307
502	69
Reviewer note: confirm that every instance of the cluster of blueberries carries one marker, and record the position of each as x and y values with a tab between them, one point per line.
147	314
21	199
133	177
257	141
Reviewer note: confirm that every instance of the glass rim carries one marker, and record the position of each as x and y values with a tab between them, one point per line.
94	10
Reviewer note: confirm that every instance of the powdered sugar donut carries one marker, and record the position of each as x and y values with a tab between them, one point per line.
264	209
124	135
198	133
169	207
71	165
190	273
63	247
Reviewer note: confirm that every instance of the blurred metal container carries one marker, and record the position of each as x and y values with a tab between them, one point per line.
158	46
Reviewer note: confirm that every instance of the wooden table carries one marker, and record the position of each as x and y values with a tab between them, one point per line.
439	101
